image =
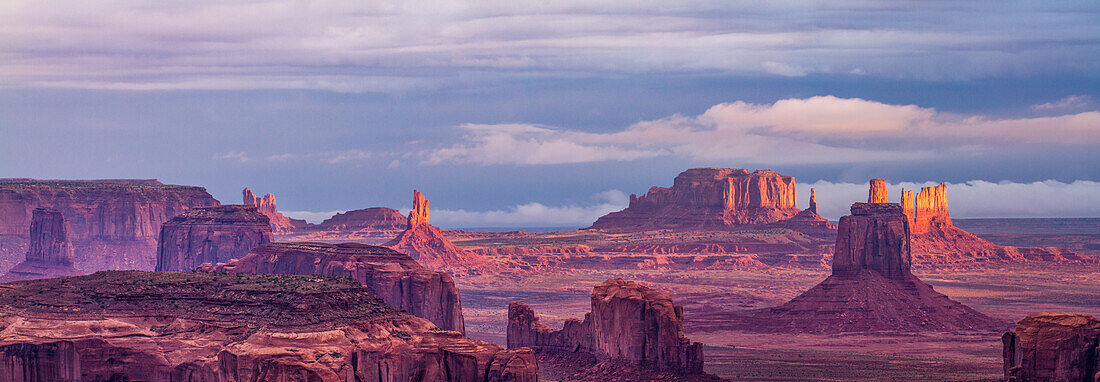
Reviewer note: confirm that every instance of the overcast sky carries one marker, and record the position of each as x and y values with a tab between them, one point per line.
518	113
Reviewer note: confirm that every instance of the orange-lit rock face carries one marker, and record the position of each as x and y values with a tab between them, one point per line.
878	192
709	197
427	245
1053	347
419	214
628	321
927	208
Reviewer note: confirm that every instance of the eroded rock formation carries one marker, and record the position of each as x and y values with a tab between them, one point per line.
808	220
210	235
709	198
51	249
427	245
374	219
394	276
1053	347
871	287
878	192
280	224
115	223
628	322
199	326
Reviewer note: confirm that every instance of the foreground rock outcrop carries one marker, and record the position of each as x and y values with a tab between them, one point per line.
51	249
871	289
210	235
394	276
708	198
427	245
114	222
198	326
280	224
1053	347
628	322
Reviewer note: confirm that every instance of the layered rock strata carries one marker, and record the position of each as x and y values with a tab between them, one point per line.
211	235
198	326
280	224
871	288
394	276
1053	347
51	249
427	245
708	198
628	322
114	223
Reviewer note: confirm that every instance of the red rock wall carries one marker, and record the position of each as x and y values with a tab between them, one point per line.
1053	347
210	235
927	209
876	237
394	276
628	322
51	249
115	224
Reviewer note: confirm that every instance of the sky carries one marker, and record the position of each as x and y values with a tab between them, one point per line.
529	113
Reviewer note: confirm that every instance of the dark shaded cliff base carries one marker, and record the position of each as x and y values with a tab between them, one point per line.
159	326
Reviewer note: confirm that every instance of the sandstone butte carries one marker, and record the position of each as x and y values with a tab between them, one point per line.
114	222
427	245
938	242
210	235
871	288
711	198
808	220
1053	347
280	224
200	326
394	276
629	322
51	249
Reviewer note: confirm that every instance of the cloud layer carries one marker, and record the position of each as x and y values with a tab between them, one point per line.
402	45
822	129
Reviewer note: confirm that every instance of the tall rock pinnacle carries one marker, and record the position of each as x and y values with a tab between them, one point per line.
419	214
878	193
51	248
813	201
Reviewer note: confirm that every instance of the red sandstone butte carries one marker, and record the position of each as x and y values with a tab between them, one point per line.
210	235
426	243
871	288
203	326
709	198
1053	347
280	224
394	276
628	322
51	249
878	192
114	222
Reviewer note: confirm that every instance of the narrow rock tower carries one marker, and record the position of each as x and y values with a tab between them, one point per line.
51	249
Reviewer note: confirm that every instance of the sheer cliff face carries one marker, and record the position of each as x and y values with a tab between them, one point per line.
709	198
210	235
51	249
394	276
628	322
1053	347
238	327
280	224
928	209
114	223
874	237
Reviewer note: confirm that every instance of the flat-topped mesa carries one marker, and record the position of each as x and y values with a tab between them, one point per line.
1053	347
207	326
875	237
114	223
394	276
426	243
709	198
927	209
628	322
375	218
50	253
211	235
878	192
280	224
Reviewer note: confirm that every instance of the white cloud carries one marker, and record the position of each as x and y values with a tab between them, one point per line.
975	198
1076	101
822	129
535	214
239	156
782	69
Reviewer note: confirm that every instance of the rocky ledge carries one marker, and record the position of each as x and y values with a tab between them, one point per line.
199	326
394	276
